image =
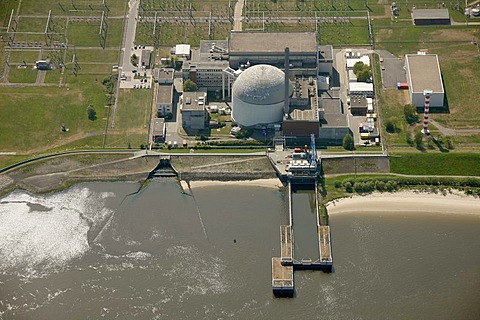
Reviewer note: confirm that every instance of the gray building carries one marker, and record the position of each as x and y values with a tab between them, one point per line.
269	48
423	73
146	59
159	130
430	17
194	113
206	74
164	100
164	75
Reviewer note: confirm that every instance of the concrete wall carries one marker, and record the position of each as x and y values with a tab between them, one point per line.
332	135
418	99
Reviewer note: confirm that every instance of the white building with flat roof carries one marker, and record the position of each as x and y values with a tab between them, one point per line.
423	73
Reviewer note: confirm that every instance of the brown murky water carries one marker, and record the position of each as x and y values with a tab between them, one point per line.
90	253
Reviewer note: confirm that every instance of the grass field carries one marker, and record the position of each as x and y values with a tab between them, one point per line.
62	7
132	119
22	75
35	126
436	164
458	58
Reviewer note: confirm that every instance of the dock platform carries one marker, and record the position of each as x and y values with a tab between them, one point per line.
282	278
325	248
286	245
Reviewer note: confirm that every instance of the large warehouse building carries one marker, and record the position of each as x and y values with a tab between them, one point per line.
269	48
423	73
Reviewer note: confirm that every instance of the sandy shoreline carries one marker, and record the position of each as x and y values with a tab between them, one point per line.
407	201
267	183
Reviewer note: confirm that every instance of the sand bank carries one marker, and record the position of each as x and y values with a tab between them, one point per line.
268	183
407	201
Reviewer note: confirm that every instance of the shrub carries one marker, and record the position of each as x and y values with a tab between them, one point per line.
348	187
410	113
348	142
338	184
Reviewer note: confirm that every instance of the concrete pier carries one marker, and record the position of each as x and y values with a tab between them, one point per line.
286	245
325	248
282	278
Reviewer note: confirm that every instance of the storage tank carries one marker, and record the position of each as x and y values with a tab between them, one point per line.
259	95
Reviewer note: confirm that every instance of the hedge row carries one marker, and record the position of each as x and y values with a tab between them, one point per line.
389	184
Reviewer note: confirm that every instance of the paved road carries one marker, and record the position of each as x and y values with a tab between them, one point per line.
237	15
128	38
452	132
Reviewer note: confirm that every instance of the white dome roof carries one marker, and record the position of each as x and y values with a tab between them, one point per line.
260	85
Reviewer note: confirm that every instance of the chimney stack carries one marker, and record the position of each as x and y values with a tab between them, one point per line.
286	107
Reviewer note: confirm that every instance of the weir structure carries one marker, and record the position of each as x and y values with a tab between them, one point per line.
300	171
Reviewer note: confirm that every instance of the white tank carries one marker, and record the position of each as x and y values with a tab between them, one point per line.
258	96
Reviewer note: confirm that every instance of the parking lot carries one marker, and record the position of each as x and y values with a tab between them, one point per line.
392	69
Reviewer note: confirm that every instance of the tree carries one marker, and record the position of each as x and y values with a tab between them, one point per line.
362	71
348	142
364	74
410	112
419	139
134	60
189	86
92	114
391	125
358	66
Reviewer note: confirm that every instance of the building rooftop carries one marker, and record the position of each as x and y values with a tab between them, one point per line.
193	101
163	75
272	42
424	72
165	93
430	14
325	52
158	126
331	106
260	85
334	120
205	64
182	50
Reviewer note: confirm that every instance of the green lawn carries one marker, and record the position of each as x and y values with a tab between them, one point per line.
35	114
436	164
29	56
61	7
132	119
20	75
86	33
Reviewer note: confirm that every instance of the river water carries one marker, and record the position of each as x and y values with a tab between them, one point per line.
100	250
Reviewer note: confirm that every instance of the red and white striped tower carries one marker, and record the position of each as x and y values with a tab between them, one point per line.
426	110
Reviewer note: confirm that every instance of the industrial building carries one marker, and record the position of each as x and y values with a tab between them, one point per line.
268	48
193	111
164	100
159	130
259	96
145	59
423	73
361	89
430	17
304	118
333	120
206	74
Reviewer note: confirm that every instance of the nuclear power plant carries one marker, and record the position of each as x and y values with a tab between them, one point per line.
258	96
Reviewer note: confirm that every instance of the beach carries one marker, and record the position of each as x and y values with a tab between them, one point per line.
454	202
407	201
267	183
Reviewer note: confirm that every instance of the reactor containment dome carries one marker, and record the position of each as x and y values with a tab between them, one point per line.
259	96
